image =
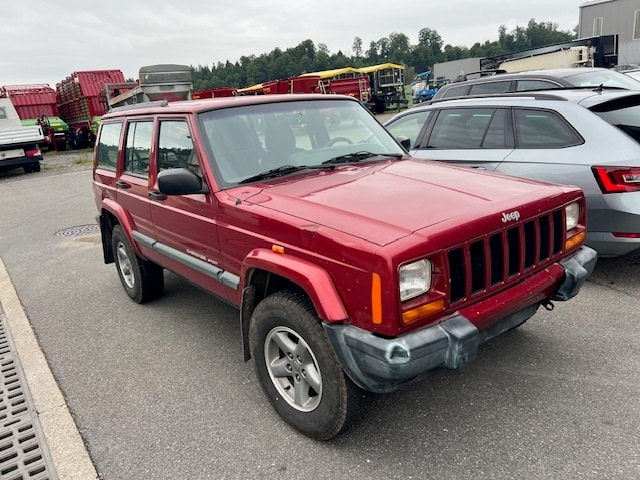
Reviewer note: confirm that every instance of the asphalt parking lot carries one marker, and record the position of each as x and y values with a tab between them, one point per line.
159	390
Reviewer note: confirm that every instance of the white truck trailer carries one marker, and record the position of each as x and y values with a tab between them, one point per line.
18	144
567	57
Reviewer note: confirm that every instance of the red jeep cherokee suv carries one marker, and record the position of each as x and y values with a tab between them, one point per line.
352	264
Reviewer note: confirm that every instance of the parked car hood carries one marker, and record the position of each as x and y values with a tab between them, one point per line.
411	195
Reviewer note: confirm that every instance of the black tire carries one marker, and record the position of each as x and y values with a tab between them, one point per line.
35	166
297	368
27	167
142	280
380	105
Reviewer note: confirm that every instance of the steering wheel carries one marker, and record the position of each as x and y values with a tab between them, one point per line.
335	140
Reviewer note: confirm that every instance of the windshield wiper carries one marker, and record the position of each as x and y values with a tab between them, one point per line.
331	163
358	157
281	171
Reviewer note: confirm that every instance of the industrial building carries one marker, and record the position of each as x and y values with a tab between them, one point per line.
613	17
609	29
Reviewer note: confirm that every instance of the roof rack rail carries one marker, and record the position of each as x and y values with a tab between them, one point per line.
533	94
479	73
133	106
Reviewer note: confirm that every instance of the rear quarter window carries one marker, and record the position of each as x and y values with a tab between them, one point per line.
490	87
456	91
543	129
107	152
526	85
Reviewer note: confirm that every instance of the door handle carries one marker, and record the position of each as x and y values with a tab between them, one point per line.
121	184
157	195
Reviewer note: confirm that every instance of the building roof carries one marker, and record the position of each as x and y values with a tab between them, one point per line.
595	2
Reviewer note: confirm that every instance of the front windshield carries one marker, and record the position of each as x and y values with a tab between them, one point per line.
248	140
607	78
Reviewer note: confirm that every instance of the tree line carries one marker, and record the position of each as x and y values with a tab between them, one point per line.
396	48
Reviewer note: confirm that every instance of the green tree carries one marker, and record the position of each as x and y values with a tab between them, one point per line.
305	57
372	55
533	35
431	41
399	48
384	48
357	47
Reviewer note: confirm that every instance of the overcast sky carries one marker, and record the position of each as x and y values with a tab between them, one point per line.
45	41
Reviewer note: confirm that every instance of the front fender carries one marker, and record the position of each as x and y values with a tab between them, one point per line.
310	277
121	217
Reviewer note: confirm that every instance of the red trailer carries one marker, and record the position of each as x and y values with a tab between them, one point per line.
357	87
385	84
38	105
32	101
214	93
81	103
286	85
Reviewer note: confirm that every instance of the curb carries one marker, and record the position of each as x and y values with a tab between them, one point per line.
68	453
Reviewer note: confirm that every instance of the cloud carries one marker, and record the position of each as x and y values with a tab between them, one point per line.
55	39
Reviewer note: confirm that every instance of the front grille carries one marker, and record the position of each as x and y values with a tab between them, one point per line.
501	257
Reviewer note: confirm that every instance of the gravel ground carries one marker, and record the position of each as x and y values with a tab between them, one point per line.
54	163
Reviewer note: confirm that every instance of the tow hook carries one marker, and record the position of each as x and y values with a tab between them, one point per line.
548	305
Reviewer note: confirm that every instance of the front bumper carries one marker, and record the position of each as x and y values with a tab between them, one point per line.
383	365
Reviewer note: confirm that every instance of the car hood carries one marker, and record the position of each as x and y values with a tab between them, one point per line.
382	203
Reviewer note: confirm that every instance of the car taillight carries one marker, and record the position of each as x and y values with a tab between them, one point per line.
33	153
617	179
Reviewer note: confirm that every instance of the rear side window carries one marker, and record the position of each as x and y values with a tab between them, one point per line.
543	129
490	87
138	150
526	85
469	128
108	145
456	91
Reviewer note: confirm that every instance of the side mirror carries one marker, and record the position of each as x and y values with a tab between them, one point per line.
180	181
405	142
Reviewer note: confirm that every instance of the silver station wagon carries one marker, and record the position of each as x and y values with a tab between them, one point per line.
584	137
